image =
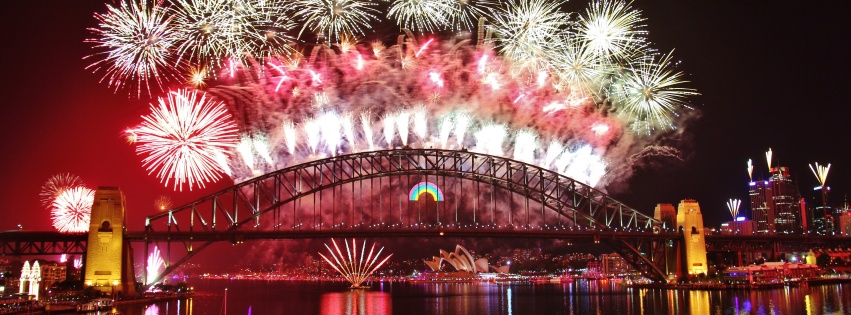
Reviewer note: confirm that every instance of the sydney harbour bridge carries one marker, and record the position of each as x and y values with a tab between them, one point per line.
411	193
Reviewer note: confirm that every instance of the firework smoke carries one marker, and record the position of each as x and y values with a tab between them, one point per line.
549	88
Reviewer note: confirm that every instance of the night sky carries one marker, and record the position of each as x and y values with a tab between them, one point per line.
771	74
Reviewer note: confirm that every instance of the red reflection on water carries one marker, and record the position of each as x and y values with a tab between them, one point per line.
356	302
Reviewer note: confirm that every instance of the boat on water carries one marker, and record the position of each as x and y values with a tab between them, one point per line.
95	305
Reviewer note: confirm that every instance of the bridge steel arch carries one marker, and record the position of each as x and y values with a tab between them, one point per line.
256	206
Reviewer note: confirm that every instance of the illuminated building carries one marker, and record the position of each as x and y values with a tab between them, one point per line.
461	260
613	265
775	203
845	224
40	276
30	279
690	223
740	226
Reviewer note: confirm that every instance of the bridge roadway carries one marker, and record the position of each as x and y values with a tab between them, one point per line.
54	243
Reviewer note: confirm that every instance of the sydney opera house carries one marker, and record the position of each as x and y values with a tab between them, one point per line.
461	260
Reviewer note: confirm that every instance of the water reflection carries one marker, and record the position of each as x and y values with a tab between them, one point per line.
578	297
359	302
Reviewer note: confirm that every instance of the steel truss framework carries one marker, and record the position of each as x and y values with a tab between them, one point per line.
260	203
42	243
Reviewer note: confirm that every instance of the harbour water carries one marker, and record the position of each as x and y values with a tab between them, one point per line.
579	297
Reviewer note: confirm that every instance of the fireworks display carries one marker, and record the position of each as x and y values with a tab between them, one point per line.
354	266
820	172
155	263
578	94
733	206
137	45
750	170
185	137
162	203
72	210
56	185
768	155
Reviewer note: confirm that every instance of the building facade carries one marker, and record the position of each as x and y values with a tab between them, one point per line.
776	204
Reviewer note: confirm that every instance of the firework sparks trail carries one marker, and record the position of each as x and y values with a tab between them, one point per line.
651	92
261	145
612	29
72	210
349	130
366	124
526	29
334	18
162	203
78	262
56	185
422	16
290	137
389	121
768	155
750	169
137	40
445	131
526	142
354	266
329	124
820	172
535	73
403	119
182	136
155	263
733	206
244	149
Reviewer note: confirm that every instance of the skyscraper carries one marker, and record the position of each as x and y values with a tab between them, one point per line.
775	203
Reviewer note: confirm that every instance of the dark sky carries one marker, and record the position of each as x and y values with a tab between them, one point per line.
771	74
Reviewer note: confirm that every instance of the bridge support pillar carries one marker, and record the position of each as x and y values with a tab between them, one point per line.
109	264
690	224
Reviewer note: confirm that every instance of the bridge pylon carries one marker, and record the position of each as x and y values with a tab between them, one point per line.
109	263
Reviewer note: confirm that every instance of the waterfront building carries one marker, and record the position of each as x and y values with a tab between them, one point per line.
461	260
740	226
771	272
613	265
690	223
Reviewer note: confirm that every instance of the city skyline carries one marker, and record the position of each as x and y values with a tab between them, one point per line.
755	86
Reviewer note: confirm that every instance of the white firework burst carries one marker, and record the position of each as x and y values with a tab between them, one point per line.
527	29
56	185
578	68
468	12
651	93
72	210
212	31
334	18
611	28
137	42
183	136
423	15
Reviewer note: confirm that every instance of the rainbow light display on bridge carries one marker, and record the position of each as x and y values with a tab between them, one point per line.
426	188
